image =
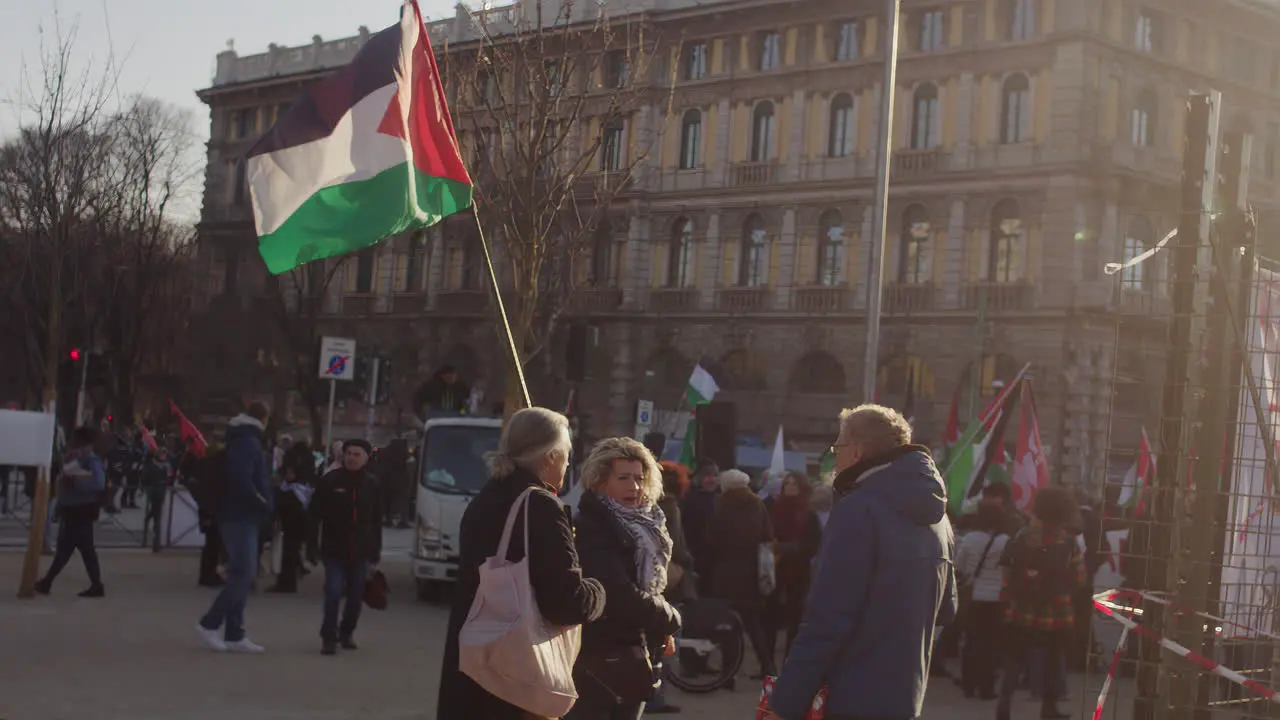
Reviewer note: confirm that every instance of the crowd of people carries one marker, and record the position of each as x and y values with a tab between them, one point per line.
870	590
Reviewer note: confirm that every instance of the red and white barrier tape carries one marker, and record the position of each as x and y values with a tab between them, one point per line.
1105	603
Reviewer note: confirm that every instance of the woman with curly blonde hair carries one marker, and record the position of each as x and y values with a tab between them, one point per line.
622	542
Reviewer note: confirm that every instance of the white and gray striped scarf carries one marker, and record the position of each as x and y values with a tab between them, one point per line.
648	528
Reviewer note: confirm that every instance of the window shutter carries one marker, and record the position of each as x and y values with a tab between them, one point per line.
729	251
807	267
852	253
977	260
659	269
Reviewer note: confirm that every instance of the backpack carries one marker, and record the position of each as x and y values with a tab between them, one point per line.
206	480
1038	575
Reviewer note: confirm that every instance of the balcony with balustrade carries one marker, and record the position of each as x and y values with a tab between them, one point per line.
462	302
589	300
753	174
674	300
996	298
916	164
743	299
361	304
909	298
820	299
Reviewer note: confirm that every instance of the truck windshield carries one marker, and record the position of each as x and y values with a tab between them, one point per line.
454	458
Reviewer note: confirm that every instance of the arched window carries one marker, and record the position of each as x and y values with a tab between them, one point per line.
924	119
903	379
762	133
840	132
602	266
915	263
680	272
830	247
1007	243
1138	238
741	371
1142	126
1015	115
755	253
818	372
691	140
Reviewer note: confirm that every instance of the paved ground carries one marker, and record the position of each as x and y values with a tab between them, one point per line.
134	655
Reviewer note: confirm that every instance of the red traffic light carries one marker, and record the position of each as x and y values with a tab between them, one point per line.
75	353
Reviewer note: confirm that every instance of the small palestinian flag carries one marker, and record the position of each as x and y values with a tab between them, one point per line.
366	153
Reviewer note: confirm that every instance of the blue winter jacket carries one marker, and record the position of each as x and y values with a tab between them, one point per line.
884	580
84	489
248	497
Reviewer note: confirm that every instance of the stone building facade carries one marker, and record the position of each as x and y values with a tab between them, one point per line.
1034	142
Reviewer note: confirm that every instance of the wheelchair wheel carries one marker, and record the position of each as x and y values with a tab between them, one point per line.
709	651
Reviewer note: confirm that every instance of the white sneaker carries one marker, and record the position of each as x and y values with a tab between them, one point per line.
210	638
245	645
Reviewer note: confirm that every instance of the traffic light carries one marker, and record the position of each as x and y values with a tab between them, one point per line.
75	354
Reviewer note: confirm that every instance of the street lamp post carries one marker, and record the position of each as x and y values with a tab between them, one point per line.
875	288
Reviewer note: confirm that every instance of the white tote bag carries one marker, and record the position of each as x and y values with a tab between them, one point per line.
506	646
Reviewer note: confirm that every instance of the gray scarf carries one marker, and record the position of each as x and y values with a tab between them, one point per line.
648	528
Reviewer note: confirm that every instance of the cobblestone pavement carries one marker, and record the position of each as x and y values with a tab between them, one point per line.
134	655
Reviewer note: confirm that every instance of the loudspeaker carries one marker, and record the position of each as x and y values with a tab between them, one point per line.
656	442
575	353
718	434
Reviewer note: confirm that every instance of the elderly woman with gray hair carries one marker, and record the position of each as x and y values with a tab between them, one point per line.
533	452
739	526
624	543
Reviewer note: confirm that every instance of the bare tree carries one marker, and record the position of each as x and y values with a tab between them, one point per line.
548	103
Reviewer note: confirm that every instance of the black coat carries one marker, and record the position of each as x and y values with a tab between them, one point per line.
696	510
738	527
346	516
680	554
632	617
563	595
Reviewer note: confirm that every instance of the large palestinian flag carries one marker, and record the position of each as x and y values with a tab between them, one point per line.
364	154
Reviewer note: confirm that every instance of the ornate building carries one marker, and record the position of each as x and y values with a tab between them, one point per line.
1034	141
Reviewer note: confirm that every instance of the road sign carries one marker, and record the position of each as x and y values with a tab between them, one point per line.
337	358
644	412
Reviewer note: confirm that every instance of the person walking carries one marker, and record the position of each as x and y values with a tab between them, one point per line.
346	512
623	539
292	498
680	574
157	476
798	535
695	510
245	505
80	487
884	580
1043	570
533	452
981	581
738	528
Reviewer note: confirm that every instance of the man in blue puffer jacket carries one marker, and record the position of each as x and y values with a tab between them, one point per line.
885	579
80	485
246	504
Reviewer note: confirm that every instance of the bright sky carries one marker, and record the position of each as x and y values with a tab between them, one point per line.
166	49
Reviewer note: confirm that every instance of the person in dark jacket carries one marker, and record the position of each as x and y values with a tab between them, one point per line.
346	512
695	511
393	470
532	453
157	476
680	575
738	528
443	393
623	539
884	579
80	487
798	535
246	504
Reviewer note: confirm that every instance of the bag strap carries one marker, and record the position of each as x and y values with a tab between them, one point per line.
982	559
505	543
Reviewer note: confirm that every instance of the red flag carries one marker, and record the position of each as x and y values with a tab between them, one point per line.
148	439
1031	468
191	436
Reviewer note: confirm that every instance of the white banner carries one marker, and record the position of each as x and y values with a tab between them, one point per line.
1251	556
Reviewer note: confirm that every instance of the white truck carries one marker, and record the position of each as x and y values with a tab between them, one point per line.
451	471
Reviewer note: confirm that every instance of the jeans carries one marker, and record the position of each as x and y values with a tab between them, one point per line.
1022	643
241	543
76	533
342	579
980	656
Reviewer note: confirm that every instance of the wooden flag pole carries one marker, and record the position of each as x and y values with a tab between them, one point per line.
502	312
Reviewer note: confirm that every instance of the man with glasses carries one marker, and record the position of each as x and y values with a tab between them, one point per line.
884	579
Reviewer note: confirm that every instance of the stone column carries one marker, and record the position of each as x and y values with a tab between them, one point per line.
795	136
789	239
710	275
859	284
637	252
620	377
718	173
435	269
954	271
963	156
